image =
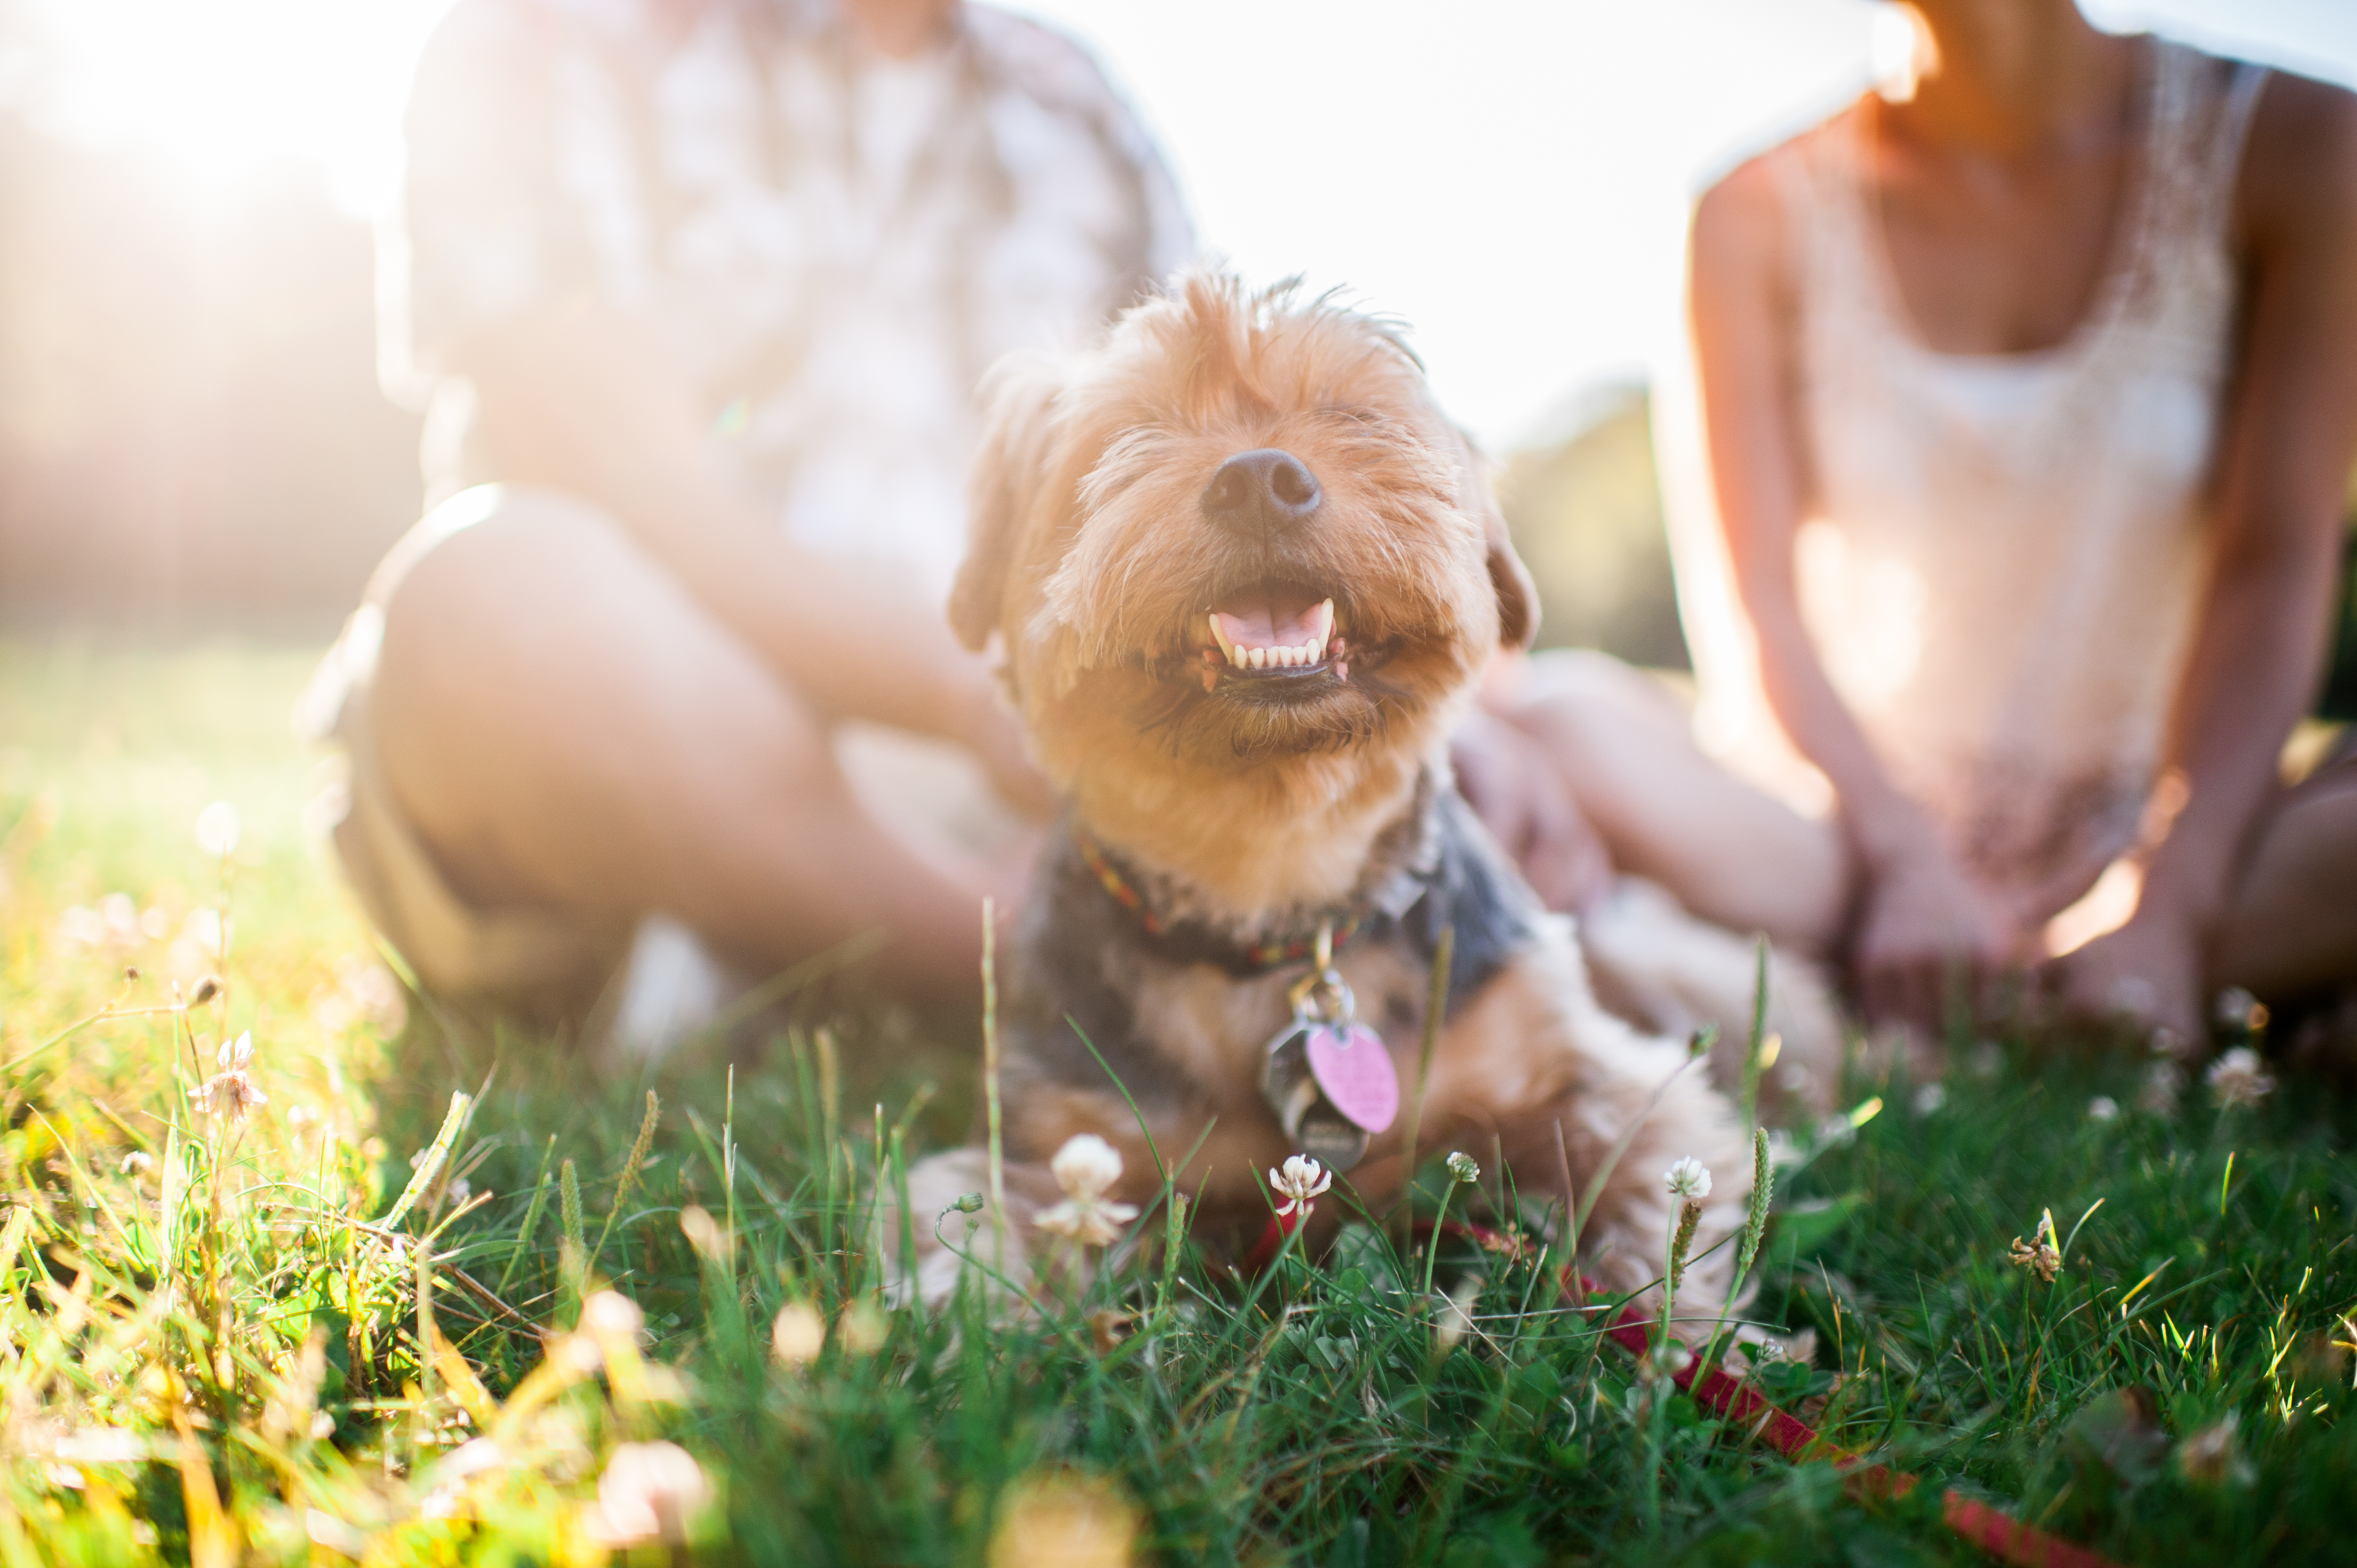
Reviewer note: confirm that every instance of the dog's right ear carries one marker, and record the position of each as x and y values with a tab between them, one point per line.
1009	468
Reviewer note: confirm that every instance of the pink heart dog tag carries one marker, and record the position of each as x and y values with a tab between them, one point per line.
1355	1072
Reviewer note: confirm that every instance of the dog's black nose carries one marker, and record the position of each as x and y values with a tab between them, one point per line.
1261	492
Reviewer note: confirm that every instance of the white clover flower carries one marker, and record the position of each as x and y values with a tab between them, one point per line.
1084	1169
2163	1083
1085	1166
2238	1009
2208	1456
2103	1108
138	1161
1930	1098
610	1313
648	1493
1299	1183
1689	1178
218	828
1092	1223
233	1089
1462	1168
799	1334
2238	1081
81	928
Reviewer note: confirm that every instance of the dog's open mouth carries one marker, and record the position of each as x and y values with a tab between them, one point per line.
1273	634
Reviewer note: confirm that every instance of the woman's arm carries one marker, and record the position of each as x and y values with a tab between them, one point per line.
1921	920
2288	437
582	397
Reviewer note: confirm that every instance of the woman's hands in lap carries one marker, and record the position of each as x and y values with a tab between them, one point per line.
2149	972
1929	940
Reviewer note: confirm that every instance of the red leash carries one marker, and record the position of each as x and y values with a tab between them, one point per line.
1992	1530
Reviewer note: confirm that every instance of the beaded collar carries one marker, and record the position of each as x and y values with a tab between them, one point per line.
1191	941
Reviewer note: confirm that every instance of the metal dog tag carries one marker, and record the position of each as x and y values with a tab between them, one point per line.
1355	1072
1315	1126
1328	1076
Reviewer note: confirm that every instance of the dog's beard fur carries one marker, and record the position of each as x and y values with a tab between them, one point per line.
1094	558
1256	727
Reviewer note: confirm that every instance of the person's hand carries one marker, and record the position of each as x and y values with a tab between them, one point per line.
1522	798
1926	931
2147	972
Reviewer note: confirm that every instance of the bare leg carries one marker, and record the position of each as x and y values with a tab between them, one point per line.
568	729
2291	926
1729	853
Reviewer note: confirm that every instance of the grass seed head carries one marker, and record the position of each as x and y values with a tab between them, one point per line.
1763	1192
1689	1217
2039	1254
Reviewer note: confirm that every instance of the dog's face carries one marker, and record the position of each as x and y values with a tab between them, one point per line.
1239	544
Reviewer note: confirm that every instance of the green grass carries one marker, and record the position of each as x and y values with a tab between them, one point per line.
247	1338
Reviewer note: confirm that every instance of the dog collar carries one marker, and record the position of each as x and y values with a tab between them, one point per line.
1194	940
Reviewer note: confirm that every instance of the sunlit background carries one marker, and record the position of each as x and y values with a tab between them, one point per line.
187	424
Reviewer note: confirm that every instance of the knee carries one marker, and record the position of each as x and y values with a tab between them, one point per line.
1572	685
478	580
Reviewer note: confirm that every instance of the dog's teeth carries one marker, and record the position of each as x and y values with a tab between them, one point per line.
1322	619
1308	653
1260	658
1222	638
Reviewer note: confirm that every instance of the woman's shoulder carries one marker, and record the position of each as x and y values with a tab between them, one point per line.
2299	163
1753	189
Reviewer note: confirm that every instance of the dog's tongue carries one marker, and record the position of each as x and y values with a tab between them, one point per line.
1274	629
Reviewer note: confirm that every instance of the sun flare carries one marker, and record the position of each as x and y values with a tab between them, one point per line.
225	87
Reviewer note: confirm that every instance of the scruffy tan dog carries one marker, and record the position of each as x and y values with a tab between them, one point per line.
1246	574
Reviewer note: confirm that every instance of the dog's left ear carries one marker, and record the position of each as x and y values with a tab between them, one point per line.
1008	468
1517	596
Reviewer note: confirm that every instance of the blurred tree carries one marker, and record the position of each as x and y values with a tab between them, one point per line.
1586	513
191	433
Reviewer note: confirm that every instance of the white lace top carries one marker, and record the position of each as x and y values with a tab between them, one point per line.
2003	555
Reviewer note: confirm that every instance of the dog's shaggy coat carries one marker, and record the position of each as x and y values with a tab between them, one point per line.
1243	808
